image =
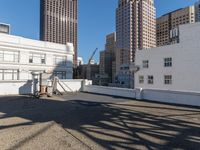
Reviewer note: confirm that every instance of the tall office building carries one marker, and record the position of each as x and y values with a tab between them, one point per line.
172	20
197	11
107	58
58	22
135	29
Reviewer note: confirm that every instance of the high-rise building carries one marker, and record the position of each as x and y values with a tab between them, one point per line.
172	20
135	29
58	22
107	58
197	11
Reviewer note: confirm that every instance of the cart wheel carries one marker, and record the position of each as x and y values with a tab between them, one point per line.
37	94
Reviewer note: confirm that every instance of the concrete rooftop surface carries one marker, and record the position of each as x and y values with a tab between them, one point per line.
82	121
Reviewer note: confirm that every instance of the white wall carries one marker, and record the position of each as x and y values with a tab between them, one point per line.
26	87
26	46
164	96
11	40
175	97
121	92
70	85
15	87
185	68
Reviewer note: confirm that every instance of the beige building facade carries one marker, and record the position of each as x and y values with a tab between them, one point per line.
170	21
107	58
58	22
135	29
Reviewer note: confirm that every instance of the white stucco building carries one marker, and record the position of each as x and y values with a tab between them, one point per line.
20	56
173	67
80	61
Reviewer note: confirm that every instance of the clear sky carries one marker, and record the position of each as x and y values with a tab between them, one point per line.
96	19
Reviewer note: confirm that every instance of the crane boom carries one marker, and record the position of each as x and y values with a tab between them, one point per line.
88	72
92	55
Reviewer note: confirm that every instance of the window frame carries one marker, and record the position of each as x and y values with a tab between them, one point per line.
168	81
150	79
141	79
145	64
15	54
168	62
42	56
13	72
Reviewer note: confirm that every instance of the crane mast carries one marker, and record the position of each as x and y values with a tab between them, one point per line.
89	63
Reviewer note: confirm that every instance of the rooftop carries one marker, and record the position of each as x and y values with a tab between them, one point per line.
90	121
18	41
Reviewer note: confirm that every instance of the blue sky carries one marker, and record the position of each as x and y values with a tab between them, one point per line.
96	19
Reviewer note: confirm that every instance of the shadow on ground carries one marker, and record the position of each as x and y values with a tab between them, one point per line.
112	125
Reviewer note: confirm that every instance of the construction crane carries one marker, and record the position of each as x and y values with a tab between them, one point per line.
94	52
88	72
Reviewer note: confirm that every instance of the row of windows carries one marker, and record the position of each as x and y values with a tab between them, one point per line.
167	63
36	58
9	56
13	74
150	79
41	59
9	74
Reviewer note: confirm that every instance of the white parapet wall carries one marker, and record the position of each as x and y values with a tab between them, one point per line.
167	96
163	96
74	85
26	87
113	91
15	87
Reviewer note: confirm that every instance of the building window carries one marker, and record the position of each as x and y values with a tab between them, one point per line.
9	56
60	74
6	74
60	60
168	79
145	64
43	61
37	58
141	79
168	62
150	79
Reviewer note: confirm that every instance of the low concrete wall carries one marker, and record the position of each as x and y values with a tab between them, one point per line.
72	85
175	97
26	87
15	87
121	92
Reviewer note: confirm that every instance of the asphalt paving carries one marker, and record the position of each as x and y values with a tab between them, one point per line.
82	121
